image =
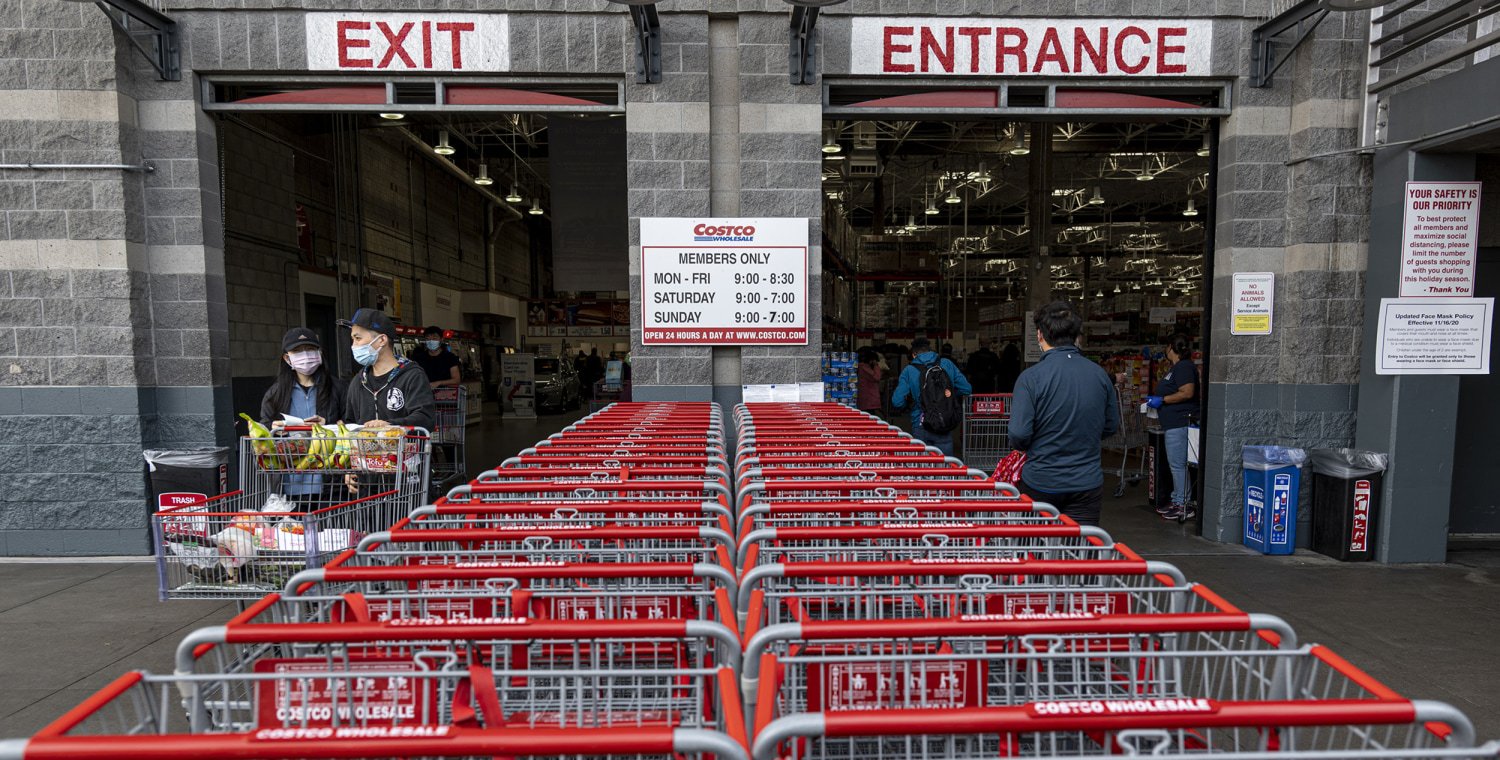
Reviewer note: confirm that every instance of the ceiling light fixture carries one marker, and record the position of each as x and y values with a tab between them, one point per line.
1135	286
1204	149
514	196
1100	294
1147	174
1020	149
443	148
1098	199
911	222
953	197
983	175
831	142
393	116
1117	287
536	208
1191	209
1165	292
931	208
483	178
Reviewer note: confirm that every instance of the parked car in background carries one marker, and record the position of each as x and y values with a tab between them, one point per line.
557	384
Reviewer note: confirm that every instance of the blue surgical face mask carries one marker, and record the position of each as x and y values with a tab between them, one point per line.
366	354
433	345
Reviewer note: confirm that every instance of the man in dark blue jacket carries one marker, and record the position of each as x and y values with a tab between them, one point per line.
910	387
1064	406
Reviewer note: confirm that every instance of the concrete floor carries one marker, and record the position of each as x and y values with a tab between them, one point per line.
1427	631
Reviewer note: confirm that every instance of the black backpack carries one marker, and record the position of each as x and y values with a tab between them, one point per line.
940	408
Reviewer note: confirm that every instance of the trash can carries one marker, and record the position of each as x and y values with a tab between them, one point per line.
1346	502
197	471
1272	476
1158	469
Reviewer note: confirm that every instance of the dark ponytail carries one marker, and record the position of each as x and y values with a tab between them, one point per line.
1181	346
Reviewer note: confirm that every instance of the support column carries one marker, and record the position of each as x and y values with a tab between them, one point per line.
724	170
1039	208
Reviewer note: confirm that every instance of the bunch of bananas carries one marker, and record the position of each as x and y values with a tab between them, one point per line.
320	450
261	443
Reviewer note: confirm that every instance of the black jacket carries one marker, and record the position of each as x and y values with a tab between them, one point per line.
405	400
330	409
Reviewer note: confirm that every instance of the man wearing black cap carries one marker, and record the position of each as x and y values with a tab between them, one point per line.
387	390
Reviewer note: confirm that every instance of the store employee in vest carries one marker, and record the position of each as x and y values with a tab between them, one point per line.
1064	407
440	365
909	386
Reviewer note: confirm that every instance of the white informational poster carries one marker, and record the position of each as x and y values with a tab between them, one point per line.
810	392
1133	48
1439	238
755	394
1251	303
1033	352
786	393
723	282
408	42
517	385
1434	336
1163	315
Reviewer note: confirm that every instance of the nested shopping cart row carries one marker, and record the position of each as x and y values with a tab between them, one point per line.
807	582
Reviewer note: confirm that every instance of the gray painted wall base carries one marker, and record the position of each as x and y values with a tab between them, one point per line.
76	543
672	393
1245	414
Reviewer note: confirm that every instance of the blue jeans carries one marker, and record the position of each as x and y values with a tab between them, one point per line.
942	441
1177	451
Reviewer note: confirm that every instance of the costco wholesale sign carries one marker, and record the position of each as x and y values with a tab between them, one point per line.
724	282
424	42
1042	47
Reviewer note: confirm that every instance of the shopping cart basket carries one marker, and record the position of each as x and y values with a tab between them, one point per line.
523	542
986	430
898	541
888	510
853	459
608	459
235	547
318	468
1131	438
448	438
770	492
601	474
896	473
632	490
602	512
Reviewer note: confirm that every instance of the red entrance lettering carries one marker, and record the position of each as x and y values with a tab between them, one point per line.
426	44
1002	49
1051	52
1163	49
346	43
456	30
891	47
1131	31
1099	55
974	33
397	42
930	43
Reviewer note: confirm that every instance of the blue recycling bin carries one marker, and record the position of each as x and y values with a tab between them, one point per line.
1272	476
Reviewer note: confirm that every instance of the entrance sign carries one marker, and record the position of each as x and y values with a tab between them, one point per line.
723	282
1111	47
517	385
1434	336
1251	301
1439	238
470	42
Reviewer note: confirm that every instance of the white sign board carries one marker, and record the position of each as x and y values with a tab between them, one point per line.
723	282
1439	238
1250	302
1163	315
477	42
1434	336
517	385
1110	47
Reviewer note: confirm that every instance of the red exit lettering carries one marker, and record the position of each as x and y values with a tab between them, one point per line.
398	43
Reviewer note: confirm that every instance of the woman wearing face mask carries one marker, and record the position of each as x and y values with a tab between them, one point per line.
305	389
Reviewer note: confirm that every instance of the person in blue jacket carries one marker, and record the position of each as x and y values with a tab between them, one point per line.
1063	408
908	387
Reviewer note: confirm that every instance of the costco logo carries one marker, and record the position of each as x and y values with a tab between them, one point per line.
704	233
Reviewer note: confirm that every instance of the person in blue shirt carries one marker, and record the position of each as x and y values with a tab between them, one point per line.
1063	408
908	387
1176	401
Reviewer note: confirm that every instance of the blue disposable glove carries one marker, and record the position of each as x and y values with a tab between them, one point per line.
1153	401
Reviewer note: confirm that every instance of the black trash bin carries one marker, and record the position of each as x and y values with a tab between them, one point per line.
201	470
1346	502
1158	469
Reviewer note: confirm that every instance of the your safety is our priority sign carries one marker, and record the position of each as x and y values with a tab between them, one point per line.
723	282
